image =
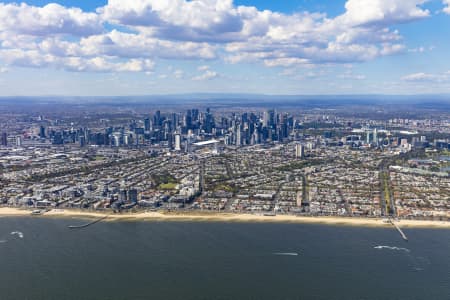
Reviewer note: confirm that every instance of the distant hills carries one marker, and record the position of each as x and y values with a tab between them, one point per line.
241	100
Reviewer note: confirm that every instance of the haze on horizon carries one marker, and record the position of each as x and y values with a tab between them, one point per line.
149	47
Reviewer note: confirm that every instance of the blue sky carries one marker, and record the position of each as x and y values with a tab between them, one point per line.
140	47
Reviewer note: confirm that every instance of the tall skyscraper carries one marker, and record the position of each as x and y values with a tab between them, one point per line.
147	124
177	142
18	141
42	132
4	139
375	136
299	151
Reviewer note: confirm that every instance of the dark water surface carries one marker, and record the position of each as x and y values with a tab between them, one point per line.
176	260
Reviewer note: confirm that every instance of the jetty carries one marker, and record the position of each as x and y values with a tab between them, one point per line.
399	230
87	224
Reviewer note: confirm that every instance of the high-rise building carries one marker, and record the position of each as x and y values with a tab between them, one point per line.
42	132
4	140
82	141
375	136
238	135
299	151
177	142
147	124
18	141
133	195
123	195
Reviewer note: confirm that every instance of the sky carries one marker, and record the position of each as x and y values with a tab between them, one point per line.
289	47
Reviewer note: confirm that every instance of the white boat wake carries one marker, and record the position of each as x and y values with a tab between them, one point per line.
392	248
286	253
18	233
3	241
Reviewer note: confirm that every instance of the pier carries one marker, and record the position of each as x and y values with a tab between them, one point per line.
399	230
87	224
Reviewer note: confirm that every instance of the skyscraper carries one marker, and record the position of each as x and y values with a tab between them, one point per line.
18	141
177	142
299	151
4	139
42	132
375	137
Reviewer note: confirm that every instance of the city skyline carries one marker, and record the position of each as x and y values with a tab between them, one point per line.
149	47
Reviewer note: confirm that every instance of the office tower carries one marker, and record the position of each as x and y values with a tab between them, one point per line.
265	119
299	151
18	141
82	141
238	135
147	124
188	120
42	132
4	139
375	136
177	142
58	139
123	195
133	195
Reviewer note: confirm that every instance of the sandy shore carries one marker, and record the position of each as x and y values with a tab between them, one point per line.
224	217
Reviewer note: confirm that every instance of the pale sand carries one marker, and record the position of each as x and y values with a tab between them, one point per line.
224	217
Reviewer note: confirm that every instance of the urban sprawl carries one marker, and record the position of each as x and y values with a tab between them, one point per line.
260	161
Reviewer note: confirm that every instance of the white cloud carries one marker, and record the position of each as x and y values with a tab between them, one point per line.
178	74
33	58
116	43
3	70
360	34
447	8
203	68
426	77
197	20
201	29
383	12
351	76
208	75
50	19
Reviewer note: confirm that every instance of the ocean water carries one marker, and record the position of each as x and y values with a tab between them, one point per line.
41	258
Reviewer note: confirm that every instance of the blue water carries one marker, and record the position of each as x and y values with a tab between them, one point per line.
171	260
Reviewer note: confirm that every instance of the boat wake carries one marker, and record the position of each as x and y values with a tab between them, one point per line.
3	241
18	233
392	248
286	253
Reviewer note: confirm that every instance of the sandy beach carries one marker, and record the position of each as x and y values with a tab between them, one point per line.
223	217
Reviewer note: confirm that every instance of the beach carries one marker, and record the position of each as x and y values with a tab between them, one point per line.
224	217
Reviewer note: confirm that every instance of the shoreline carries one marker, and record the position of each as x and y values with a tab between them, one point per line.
223	217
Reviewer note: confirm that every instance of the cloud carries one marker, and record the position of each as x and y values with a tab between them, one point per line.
50	19
349	75
127	45
197	20
447	8
208	75
33	58
148	30
178	74
425	77
382	12
203	68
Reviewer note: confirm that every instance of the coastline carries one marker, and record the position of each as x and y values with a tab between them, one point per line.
223	217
